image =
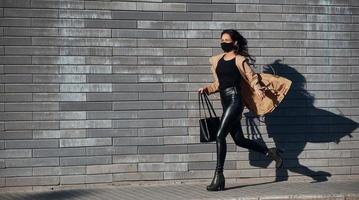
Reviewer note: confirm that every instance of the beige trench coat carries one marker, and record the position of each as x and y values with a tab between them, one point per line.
276	87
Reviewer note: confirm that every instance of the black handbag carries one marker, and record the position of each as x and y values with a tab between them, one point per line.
208	126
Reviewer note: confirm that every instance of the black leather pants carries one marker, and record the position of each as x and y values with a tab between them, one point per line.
230	122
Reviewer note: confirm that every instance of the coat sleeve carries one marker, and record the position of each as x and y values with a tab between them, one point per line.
251	75
214	86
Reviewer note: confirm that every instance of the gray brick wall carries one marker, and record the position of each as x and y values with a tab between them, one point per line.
106	91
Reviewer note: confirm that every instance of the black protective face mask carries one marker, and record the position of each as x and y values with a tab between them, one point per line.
227	47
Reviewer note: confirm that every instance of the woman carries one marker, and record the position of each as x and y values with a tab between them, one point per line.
227	82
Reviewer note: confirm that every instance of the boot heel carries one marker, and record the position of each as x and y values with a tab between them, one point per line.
221	187
218	182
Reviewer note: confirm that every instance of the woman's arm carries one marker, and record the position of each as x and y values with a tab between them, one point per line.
251	75
214	86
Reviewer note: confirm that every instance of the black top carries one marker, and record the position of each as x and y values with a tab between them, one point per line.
227	73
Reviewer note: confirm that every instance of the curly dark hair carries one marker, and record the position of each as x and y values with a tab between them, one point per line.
241	46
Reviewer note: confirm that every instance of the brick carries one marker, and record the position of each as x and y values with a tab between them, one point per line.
138	176
132	33
89	69
138	51
16	135
47	22
163	96
84	32
58	60
85	124
111	132
113	168
104	23
18	144
63	152
146	87
123	96
210	165
163	78
16	78
111	150
111	78
138	141
188	16
13	172
111	115
15	153
187	175
85	14
100	178
162	131
136	15
13	22
16	116
236	16
43	134
161	6
32	162
93	160
181	139
83	106
79	51
59	96
57	4
137	123
187	157
28	181
51	171
88	87
111	60
154	149
134	105
15	12
15	3
83	41
33	50
26	125
59	78
75	179
110	5
162	61
29	31
32	106
12	60
212	7
161	24
85	142
40	69
162	167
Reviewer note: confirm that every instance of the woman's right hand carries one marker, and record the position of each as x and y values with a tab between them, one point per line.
202	90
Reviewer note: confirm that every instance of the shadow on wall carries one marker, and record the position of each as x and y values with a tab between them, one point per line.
294	124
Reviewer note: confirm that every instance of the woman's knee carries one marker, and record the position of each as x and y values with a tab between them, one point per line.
221	136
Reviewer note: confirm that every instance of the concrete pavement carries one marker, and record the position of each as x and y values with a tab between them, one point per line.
343	190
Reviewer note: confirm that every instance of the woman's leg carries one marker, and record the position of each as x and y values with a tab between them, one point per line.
230	113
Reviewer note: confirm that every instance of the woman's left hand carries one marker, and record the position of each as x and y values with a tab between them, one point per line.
260	93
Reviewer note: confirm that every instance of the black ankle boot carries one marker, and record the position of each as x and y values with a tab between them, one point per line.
273	153
218	182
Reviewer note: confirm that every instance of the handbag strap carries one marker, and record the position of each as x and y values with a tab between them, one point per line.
201	103
209	105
